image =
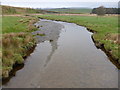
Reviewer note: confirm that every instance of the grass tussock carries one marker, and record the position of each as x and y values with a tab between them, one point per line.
15	47
114	38
30	21
16	44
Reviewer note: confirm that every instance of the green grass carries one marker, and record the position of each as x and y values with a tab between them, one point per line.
17	40
106	28
72	10
15	24
12	24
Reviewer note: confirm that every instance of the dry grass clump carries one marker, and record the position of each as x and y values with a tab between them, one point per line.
16	41
30	21
7	35
27	39
31	27
0	54
115	38
15	47
12	39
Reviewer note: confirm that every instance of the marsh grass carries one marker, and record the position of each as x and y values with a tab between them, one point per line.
17	40
14	48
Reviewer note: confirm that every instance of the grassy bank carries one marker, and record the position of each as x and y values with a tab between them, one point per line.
17	40
105	28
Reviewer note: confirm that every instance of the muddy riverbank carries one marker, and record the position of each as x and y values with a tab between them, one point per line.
65	57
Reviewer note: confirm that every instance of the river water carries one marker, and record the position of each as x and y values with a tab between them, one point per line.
65	57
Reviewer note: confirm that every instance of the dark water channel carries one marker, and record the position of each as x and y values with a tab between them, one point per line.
65	57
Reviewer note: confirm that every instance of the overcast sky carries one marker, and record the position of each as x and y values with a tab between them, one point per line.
60	3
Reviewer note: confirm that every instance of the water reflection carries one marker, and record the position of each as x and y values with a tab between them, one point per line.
51	35
54	47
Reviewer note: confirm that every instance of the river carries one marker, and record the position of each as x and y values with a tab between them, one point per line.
65	57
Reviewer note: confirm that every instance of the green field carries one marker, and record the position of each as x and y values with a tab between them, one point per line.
106	29
71	10
16	40
14	26
18	24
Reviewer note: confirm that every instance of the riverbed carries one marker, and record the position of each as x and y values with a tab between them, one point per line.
65	57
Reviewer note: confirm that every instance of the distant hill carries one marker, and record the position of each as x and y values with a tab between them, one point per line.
19	10
71	10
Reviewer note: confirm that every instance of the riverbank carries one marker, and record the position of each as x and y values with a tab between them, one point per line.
66	57
105	32
17	41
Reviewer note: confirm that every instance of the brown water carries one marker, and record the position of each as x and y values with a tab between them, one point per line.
65	58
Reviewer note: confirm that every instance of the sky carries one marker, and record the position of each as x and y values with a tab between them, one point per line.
60	3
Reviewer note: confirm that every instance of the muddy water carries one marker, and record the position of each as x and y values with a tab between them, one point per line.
65	57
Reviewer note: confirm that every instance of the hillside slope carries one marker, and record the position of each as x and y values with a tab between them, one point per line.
18	10
71	10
